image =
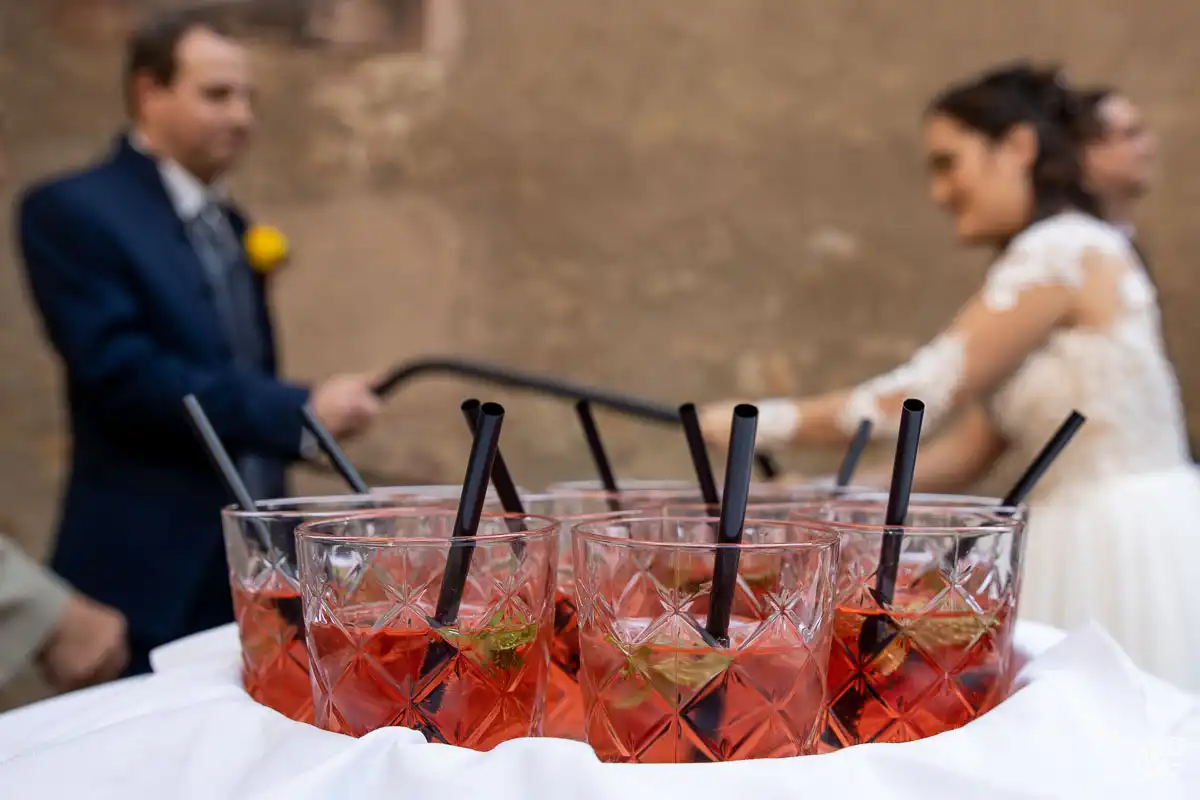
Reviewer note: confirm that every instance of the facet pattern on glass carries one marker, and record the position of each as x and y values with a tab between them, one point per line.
380	658
940	653
266	605
564	702
658	689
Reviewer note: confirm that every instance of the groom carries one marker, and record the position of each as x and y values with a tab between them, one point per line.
1119	157
137	268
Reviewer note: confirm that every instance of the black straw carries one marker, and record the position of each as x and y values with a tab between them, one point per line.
1045	458
877	632
710	707
470	509
218	454
334	452
858	444
766	463
289	608
736	498
699	453
903	470
583	410
502	482
1033	473
462	546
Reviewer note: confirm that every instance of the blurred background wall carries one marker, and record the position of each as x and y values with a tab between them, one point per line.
680	199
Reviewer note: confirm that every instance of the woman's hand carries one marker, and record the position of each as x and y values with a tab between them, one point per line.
716	420
778	421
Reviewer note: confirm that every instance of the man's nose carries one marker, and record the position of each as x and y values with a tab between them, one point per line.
241	111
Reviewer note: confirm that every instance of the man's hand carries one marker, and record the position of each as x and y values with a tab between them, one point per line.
88	646
345	404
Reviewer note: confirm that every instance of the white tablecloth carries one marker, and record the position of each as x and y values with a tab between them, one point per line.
1087	725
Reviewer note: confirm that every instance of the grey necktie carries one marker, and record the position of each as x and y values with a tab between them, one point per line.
233	292
231	282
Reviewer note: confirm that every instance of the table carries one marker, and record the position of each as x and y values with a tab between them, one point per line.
1086	724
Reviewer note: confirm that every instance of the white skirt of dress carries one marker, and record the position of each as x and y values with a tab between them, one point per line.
1124	552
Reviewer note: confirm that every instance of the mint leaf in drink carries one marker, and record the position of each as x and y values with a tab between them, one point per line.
762	579
666	667
497	645
935	631
503	645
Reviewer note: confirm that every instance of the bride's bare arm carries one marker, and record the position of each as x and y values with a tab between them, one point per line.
959	455
984	344
1033	289
988	339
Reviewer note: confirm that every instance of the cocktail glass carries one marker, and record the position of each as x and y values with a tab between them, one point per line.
381	656
261	552
564	706
657	686
937	652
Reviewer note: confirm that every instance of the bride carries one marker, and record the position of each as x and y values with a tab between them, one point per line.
1066	319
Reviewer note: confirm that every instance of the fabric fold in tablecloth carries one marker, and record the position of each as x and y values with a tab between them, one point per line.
1087	724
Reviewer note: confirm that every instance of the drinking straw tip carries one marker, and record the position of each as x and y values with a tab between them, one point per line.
745	411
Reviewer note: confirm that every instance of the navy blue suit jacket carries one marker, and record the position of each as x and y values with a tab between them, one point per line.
125	302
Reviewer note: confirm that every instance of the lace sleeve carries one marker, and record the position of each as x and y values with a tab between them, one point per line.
932	375
1028	293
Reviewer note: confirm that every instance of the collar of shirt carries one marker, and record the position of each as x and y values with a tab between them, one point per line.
189	195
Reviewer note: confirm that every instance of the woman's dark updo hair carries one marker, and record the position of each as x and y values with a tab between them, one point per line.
1092	101
1020	94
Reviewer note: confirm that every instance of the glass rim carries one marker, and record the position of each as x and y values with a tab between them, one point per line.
280	507
623	484
438	490
934	500
310	531
591	516
824	535
603	494
639	485
1007	523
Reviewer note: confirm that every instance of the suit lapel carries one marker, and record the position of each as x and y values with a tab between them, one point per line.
160	228
182	262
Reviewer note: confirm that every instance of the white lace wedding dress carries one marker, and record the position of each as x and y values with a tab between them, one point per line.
1115	525
1114	530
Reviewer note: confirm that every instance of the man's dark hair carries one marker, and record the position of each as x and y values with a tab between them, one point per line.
153	48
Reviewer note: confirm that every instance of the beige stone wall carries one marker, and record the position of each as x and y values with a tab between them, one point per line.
679	199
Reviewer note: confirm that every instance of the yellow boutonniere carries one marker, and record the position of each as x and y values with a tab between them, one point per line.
266	248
